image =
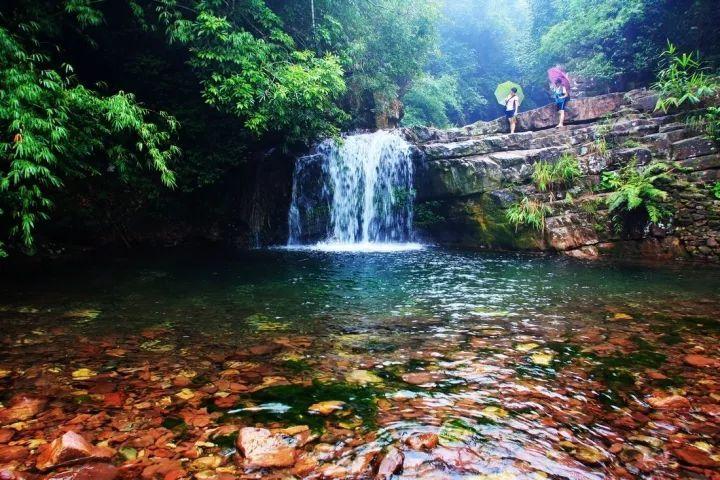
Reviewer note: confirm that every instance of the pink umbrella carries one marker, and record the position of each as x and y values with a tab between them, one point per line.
555	74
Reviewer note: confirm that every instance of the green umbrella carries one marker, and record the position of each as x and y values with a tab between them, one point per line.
503	90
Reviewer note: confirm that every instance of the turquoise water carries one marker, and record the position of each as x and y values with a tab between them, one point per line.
523	366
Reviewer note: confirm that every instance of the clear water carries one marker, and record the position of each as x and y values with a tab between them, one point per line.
366	184
453	337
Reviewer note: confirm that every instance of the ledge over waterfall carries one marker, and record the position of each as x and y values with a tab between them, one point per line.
466	178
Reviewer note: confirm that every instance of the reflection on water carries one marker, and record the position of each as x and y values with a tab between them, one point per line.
439	364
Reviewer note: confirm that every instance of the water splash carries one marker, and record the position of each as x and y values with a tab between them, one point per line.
356	194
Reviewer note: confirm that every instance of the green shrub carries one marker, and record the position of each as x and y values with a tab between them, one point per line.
542	175
637	189
683	80
528	212
567	169
563	172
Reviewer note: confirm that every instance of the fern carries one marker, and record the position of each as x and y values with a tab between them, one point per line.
636	189
528	212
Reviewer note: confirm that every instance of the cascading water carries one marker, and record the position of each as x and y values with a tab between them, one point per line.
356	194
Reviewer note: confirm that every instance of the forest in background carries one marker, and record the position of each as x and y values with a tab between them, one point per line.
114	110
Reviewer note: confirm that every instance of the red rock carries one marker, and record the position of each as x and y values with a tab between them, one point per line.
70	449
181	381
175	474
390	464
91	471
13	453
6	434
422	441
700	361
420	378
655	375
672	402
263	449
695	456
114	399
21	408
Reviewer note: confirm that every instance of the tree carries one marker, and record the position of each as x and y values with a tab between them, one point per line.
54	128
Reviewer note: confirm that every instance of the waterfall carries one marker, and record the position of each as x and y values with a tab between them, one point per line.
354	192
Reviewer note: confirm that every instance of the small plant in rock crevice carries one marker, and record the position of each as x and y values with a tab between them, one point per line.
715	190
707	123
528	212
564	172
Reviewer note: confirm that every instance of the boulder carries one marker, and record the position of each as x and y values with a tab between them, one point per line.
263	449
570	231
642	100
578	110
70	449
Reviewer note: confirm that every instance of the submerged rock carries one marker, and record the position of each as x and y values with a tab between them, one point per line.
70	449
363	377
91	471
696	457
672	402
21	408
326	408
700	361
390	464
264	449
423	441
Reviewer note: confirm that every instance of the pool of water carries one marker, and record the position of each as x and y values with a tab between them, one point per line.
462	365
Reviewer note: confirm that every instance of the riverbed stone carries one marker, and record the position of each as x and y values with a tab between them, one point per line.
91	471
263	449
70	448
21	407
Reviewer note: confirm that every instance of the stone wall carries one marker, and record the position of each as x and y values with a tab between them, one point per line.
467	177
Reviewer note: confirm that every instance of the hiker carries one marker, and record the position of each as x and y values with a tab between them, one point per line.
512	104
561	98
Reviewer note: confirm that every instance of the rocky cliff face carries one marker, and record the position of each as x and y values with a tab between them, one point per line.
466	178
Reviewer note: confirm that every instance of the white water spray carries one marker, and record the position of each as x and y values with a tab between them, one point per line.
354	196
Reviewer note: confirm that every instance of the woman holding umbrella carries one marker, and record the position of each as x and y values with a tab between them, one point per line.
512	104
560	85
510	95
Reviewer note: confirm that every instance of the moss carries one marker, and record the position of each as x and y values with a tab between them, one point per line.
490	227
296	366
297	399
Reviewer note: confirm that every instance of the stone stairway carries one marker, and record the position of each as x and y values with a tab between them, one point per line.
467	177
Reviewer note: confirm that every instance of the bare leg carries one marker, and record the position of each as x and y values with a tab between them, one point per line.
513	121
562	118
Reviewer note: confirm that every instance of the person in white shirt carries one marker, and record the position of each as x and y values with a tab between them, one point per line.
512	105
